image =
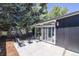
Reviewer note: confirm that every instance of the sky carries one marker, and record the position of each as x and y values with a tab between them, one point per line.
72	7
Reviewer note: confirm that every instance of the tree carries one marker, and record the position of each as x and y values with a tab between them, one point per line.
24	14
33	15
5	10
13	13
56	12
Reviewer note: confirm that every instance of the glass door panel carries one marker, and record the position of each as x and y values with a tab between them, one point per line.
50	34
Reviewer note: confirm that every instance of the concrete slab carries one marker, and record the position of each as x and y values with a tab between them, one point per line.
39	49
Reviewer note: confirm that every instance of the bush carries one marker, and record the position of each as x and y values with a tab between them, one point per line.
3	33
4	26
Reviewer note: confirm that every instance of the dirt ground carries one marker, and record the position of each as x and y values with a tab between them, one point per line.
10	49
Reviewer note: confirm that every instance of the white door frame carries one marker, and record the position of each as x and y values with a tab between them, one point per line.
54	37
41	37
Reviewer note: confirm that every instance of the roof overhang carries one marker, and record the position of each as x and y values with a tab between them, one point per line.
45	24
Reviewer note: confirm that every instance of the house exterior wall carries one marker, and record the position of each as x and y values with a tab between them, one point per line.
68	38
72	21
67	33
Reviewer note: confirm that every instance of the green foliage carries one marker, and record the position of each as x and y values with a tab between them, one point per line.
4	26
23	14
5	10
64	11
56	12
34	15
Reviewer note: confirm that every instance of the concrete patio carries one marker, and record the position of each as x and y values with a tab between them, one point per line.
42	49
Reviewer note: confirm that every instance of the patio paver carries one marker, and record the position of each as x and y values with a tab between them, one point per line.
39	49
43	49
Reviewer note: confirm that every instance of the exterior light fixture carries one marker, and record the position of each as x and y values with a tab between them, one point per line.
57	23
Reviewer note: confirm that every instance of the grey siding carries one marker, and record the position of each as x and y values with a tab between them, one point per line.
68	38
72	21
